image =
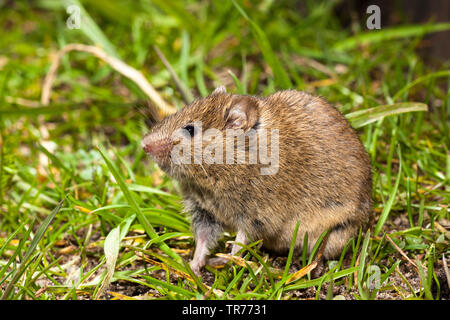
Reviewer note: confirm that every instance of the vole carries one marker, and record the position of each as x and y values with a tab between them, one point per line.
314	170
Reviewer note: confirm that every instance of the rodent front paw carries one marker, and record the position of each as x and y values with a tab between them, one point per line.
195	267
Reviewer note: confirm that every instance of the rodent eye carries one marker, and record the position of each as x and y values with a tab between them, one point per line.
190	128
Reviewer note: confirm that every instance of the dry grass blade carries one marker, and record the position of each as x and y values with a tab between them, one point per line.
237	260
244	263
217	292
401	252
184	92
82	209
119	296
121	67
442	229
164	266
302	272
355	275
310	267
304	61
22	102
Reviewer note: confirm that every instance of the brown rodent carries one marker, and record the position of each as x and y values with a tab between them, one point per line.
322	179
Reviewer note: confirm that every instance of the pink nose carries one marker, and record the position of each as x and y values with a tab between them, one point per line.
156	148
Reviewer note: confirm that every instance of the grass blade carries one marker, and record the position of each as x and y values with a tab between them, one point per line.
315	282
362	264
425	281
361	118
111	248
281	77
181	86
240	88
31	249
132	202
427	77
370	37
92	30
390	202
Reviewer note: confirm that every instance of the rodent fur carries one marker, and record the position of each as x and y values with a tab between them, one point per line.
324	176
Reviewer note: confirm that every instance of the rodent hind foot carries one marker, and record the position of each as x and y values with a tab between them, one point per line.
217	262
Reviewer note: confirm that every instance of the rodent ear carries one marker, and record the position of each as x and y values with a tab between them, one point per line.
242	113
220	89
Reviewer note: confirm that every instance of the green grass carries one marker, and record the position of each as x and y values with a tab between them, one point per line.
74	182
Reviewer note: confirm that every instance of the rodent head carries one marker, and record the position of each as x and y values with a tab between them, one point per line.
175	142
